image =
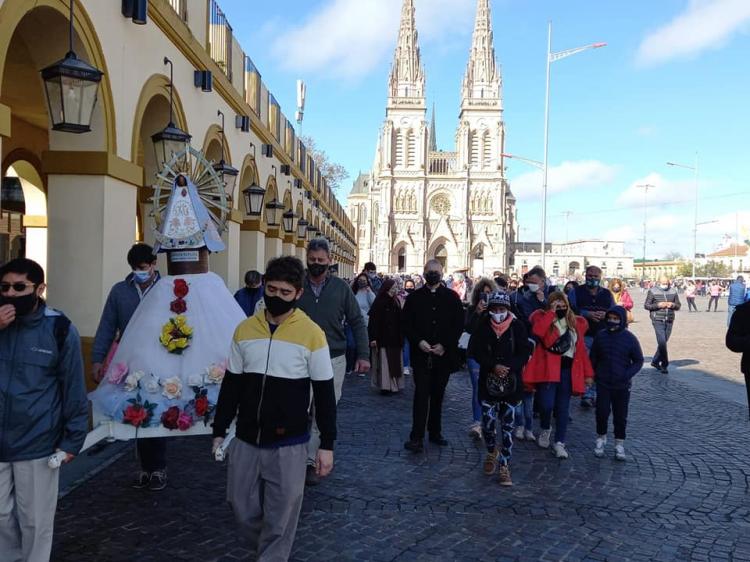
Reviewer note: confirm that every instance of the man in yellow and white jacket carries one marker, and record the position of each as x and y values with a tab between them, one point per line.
275	356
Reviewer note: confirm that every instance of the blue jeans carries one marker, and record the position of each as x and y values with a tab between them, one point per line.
407	354
590	392
476	406
730	312
525	412
555	396
351	349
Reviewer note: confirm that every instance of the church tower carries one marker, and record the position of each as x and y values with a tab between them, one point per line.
481	132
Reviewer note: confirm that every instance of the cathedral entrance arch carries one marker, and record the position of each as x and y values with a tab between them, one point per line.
441	255
398	258
477	261
573	268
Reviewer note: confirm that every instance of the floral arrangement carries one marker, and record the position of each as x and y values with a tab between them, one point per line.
181	289
200	404
172	388
139	413
176	335
215	373
173	418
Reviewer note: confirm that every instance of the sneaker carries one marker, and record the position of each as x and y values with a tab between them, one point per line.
158	480
490	463
586	402
601	441
311	477
503	475
141	480
529	436
407	371
620	450
439	440
414	446
560	451
543	440
518	434
475	431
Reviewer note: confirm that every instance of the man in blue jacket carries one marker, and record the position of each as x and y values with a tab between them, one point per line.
43	409
616	357
736	296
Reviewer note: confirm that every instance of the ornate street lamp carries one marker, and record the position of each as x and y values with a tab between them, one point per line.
254	195
288	219
171	140
227	172
302	226
71	86
273	208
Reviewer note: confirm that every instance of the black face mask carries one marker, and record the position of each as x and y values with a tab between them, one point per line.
613	325
432	278
317	269
561	313
277	306
410	290
23	304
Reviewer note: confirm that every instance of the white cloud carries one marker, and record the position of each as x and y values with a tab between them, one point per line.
660	192
705	24
567	176
348	38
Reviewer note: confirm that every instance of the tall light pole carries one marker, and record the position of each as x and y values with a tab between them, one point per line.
552	57
645	187
695	217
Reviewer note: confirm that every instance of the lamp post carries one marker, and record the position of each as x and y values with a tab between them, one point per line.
694	168
553	57
171	140
227	172
71	86
254	195
645	187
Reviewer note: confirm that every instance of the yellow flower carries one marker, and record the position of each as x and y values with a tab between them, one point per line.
172	346
187	330
180	321
181	343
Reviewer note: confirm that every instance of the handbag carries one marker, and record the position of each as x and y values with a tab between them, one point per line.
501	387
562	345
463	341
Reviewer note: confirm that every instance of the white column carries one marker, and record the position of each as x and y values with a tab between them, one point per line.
226	264
273	248
91	228
252	251
289	249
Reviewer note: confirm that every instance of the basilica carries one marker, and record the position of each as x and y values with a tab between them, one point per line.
418	202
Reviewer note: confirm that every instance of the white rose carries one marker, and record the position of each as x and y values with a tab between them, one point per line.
172	387
131	381
215	374
195	380
151	384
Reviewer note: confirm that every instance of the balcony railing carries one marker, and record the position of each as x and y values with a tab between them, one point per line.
220	39
179	6
443	163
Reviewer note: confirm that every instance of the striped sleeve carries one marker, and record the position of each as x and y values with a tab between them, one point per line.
236	362
319	365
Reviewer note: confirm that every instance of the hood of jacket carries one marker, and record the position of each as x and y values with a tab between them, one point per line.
622	314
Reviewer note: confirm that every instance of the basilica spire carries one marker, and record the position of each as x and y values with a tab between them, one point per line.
407	73
482	81
433	132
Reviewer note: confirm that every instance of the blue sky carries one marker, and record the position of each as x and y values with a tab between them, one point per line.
673	80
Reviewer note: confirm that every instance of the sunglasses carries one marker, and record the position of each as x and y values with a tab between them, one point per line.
17	287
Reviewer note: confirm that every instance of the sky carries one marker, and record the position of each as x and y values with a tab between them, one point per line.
672	84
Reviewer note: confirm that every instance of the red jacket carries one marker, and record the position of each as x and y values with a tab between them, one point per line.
544	366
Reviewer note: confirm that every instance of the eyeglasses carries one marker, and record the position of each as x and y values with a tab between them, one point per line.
17	287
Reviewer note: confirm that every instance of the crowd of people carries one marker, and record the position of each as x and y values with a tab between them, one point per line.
528	345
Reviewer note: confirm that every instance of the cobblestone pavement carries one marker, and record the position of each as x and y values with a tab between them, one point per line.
682	494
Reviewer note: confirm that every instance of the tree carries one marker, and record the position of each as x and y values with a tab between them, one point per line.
334	173
710	269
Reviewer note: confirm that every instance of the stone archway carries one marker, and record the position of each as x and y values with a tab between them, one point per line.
25	232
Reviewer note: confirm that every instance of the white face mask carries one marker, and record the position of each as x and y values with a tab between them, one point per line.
664	287
499	317
533	287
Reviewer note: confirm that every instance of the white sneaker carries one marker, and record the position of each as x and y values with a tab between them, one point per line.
518	433
529	435
543	440
407	371
560	450
601	441
620	450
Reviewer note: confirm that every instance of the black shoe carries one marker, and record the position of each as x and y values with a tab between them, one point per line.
158	480
414	446
586	402
664	370
142	478
655	365
439	440
311	477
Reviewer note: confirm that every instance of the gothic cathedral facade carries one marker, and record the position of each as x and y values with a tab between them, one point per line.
418	202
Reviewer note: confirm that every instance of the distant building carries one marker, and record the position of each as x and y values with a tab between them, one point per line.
571	258
654	269
735	256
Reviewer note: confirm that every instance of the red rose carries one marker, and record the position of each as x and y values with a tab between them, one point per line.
201	406
181	288
135	415
170	417
178	306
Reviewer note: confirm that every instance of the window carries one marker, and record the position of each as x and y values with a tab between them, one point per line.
220	39
399	148
252	85
179	6
274	117
411	147
473	148
486	150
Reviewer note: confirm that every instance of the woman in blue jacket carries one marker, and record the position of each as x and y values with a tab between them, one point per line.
616	357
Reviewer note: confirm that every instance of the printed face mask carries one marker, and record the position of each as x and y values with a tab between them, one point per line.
499	317
592	282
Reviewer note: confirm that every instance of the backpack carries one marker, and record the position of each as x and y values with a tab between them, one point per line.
500	387
61	330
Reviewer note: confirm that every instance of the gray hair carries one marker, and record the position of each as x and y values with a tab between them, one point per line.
318	244
433	262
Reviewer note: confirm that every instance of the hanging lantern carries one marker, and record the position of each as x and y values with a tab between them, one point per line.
228	175
254	195
273	209
302	225
171	140
288	219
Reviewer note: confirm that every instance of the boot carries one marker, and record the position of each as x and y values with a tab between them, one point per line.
503	475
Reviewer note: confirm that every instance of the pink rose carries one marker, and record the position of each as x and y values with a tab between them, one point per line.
117	373
185	421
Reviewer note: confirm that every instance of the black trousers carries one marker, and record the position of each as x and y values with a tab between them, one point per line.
747	388
715	301
429	390
152	453
616	401
663	331
691	304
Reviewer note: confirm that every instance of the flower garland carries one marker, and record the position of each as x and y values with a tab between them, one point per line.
176	335
139	413
181	289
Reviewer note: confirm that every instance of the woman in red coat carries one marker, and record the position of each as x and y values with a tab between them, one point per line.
559	367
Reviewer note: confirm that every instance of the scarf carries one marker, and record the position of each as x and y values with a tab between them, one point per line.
503	326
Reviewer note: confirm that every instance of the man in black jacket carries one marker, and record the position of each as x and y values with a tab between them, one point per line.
433	321
662	302
738	340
